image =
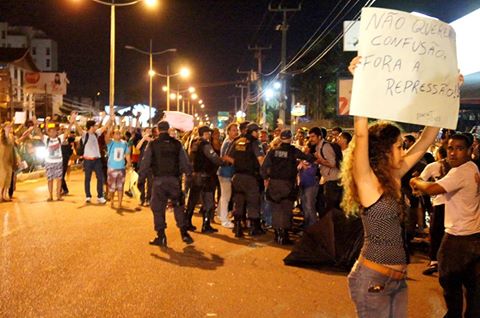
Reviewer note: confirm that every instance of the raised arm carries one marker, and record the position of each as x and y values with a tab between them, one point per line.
137	123
73	121
416	152
108	134
369	189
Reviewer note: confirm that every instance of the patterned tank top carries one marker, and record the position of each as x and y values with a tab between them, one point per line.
383	233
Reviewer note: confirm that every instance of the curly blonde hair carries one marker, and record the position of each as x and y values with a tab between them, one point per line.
382	135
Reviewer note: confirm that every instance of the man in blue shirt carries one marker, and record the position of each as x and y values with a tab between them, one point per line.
118	152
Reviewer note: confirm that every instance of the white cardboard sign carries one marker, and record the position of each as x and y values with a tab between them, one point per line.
20	117
408	71
179	120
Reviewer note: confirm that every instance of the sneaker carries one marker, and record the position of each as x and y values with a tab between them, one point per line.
432	268
227	224
102	200
88	200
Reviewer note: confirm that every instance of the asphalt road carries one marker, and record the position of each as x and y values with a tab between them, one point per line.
69	259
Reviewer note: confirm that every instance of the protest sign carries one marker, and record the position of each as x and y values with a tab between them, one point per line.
408	71
179	120
20	117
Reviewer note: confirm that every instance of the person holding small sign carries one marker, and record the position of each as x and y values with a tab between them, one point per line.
371	173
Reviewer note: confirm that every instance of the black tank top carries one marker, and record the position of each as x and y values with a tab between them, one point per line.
383	234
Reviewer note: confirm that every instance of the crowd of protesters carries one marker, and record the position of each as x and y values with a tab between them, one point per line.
251	180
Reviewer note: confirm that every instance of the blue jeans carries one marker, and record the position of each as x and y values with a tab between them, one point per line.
376	295
90	166
309	197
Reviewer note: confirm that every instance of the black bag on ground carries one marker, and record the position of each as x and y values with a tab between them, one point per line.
311	251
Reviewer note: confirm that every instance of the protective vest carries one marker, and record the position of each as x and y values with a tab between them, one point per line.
284	163
244	156
200	162
165	161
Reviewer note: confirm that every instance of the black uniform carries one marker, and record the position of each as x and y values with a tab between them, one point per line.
245	182
205	166
166	159
280	166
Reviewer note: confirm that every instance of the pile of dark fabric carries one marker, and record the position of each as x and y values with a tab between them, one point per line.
311	250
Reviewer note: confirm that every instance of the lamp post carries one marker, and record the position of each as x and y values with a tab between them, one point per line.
184	72
151	72
113	5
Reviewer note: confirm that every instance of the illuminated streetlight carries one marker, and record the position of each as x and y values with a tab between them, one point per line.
191	89
202	106
151	72
268	94
151	3
173	96
185	72
194	96
277	85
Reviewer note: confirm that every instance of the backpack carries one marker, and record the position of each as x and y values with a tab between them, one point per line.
81	146
336	149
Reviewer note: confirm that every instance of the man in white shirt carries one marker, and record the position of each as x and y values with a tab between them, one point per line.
459	253
433	172
91	156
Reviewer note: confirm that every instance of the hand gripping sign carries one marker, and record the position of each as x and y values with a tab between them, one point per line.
408	71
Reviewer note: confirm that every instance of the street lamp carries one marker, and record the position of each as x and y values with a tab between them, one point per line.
184	73
113	5
151	72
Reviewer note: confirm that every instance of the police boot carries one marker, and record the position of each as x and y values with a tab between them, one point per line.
206	227
237	229
256	228
190	226
276	235
283	238
160	240
185	236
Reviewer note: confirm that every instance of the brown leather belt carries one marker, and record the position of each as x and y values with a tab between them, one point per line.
384	270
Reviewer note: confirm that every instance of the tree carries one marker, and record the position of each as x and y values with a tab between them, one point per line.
317	87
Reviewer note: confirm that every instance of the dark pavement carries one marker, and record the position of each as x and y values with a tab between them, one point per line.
69	259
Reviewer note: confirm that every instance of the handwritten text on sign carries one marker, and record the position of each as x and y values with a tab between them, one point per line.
408	72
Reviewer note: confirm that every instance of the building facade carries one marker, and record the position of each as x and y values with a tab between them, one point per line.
43	50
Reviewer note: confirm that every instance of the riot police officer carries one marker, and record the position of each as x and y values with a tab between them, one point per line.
247	155
167	160
203	181
279	169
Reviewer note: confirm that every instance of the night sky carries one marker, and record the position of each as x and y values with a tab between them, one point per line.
211	37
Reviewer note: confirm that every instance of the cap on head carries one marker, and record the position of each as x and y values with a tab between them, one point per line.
203	129
244	125
286	135
163	126
252	127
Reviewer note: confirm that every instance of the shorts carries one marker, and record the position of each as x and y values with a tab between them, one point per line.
54	170
115	179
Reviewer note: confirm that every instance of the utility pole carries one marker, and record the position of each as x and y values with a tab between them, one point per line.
284	28
245	108
242	96
261	113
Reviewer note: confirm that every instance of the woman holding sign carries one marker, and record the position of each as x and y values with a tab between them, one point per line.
371	173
